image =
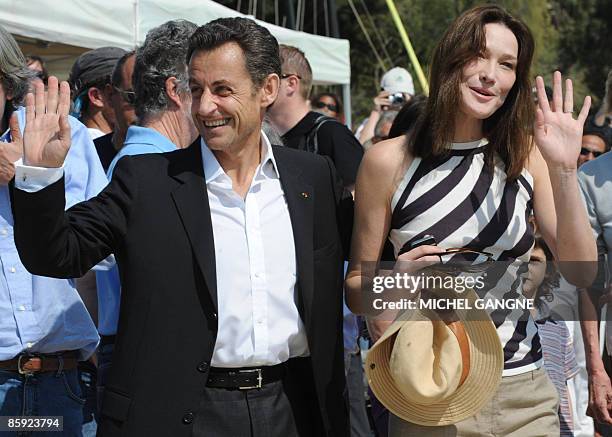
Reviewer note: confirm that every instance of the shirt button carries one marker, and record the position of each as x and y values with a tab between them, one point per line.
29	344
214	316
260	321
21	308
188	418
203	367
258	275
4	231
12	270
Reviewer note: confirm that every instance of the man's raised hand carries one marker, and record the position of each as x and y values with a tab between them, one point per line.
46	137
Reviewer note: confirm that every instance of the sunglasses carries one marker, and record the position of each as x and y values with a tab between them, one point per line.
466	250
584	151
286	75
461	260
321	105
128	96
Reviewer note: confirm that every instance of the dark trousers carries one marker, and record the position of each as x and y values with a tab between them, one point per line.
284	408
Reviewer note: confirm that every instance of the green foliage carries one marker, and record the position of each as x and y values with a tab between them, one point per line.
571	35
585	34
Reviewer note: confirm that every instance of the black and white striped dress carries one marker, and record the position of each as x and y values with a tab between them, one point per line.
462	203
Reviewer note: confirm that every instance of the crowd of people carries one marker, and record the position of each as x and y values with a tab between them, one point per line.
188	240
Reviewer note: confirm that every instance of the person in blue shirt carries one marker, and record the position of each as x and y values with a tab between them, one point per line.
163	109
45	329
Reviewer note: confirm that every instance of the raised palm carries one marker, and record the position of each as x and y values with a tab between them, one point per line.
46	137
557	134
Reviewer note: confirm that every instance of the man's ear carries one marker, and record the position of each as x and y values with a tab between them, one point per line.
293	83
172	90
269	90
96	97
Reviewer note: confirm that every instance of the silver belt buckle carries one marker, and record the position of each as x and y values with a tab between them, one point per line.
259	380
20	369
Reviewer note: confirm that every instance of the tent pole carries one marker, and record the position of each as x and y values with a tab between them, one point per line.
346	99
136	24
333	18
404	35
289	13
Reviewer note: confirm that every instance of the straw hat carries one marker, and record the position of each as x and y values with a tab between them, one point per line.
435	372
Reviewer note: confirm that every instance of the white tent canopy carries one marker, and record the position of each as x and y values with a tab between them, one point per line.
124	23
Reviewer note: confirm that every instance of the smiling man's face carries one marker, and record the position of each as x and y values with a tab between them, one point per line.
227	107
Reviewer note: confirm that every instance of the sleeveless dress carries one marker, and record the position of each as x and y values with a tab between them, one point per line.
462	203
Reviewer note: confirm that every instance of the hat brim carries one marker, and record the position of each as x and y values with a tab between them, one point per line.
486	366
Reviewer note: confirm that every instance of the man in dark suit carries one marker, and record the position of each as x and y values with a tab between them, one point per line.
229	252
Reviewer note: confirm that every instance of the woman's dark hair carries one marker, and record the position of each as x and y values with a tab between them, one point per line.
44	74
333	96
408	116
509	129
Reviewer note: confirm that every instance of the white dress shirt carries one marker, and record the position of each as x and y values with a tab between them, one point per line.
259	323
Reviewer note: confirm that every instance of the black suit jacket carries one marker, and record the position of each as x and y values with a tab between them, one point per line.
155	217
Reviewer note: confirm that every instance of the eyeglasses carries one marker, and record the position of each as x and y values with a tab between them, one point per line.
128	96
286	75
584	151
321	105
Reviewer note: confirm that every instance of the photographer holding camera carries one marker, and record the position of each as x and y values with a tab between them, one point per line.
397	89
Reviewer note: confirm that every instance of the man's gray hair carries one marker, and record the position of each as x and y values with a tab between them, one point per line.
161	56
14	73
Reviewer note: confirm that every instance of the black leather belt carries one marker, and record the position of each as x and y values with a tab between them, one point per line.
27	364
245	378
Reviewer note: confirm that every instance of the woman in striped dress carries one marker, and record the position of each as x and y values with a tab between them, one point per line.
470	175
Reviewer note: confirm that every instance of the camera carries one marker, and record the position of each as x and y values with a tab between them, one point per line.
397	99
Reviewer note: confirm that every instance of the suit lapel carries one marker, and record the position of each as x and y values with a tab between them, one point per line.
299	195
191	200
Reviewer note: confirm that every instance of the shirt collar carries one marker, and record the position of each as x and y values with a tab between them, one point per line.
266	170
146	135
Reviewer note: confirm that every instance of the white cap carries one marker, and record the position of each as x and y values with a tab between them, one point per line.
397	80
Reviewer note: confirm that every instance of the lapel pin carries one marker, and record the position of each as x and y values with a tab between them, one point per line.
305	195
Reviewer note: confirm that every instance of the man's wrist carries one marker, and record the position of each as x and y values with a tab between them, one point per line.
32	179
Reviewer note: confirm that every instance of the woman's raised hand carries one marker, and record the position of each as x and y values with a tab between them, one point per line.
557	134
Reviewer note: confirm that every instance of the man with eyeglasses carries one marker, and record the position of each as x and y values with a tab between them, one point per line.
304	129
121	97
596	140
